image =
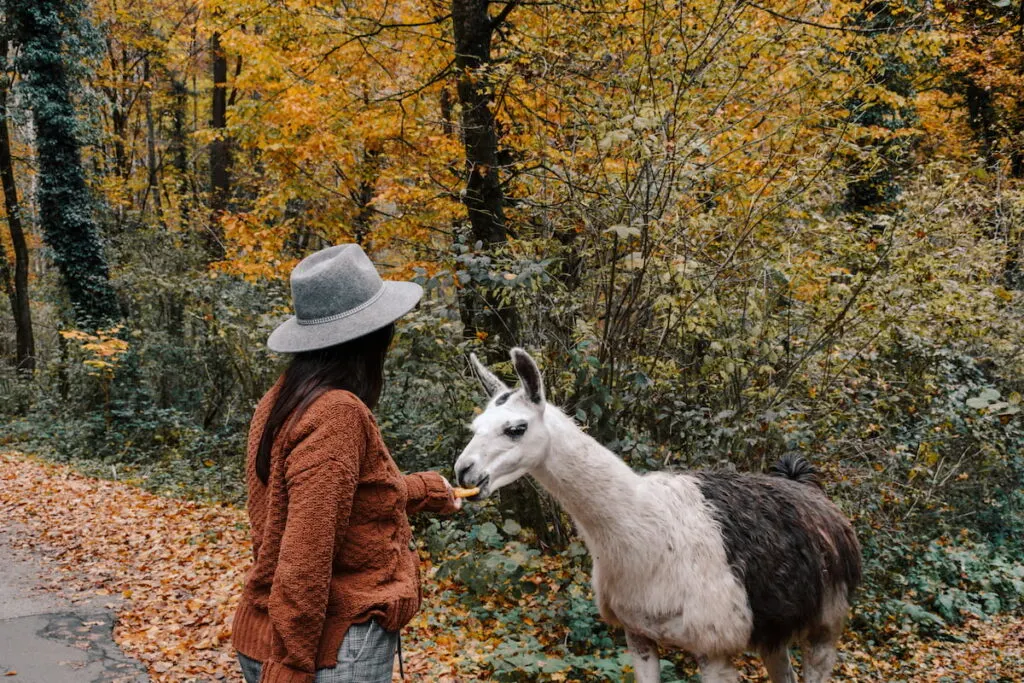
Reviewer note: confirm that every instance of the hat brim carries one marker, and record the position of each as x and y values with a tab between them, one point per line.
398	299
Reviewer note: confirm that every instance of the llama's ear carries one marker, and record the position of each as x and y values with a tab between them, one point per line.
529	375
492	385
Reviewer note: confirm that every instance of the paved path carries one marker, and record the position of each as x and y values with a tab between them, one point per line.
50	638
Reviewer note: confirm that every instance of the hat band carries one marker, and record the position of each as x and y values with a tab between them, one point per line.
344	314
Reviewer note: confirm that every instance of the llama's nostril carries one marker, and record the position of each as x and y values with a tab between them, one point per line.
460	474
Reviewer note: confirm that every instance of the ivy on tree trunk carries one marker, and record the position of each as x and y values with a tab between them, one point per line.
481	305
69	228
220	150
473	28
178	149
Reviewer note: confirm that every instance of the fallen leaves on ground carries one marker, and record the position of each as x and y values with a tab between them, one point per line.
176	565
176	569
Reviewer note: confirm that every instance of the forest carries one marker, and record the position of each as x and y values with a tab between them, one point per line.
727	230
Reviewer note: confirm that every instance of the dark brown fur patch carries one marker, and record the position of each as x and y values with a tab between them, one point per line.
788	545
797	468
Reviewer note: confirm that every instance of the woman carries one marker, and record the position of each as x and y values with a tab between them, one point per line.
333	577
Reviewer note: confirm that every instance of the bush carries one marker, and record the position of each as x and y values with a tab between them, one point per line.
930	587
429	396
538	608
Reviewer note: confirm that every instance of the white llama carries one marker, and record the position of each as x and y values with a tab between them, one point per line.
713	563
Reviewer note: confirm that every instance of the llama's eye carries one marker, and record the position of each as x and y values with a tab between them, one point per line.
515	431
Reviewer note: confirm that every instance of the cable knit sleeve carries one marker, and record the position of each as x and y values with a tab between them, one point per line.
322	472
428	492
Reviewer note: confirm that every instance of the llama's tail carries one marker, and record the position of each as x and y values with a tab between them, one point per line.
797	468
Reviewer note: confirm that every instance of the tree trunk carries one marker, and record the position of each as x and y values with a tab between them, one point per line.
220	151
119	122
119	109
480	303
1017	139
177	148
482	310
65	204
875	187
364	193
17	288
981	115
153	185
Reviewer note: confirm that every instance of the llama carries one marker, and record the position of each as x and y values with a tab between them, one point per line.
713	563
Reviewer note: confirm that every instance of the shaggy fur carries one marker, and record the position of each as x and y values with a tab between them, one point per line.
788	544
710	562
796	467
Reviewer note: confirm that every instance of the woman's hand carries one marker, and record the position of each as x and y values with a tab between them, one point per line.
455	502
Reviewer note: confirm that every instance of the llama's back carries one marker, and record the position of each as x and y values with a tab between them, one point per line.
793	550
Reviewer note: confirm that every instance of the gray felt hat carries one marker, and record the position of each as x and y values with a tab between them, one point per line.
339	296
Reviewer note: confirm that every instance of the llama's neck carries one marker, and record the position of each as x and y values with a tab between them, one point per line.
588	480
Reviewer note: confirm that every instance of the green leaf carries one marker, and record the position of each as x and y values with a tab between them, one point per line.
982	400
553	665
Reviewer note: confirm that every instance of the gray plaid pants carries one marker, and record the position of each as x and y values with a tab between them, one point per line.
367	655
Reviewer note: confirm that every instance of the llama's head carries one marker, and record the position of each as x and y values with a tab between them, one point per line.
509	437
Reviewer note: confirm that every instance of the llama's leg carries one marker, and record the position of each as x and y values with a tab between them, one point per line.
777	663
646	667
717	670
819	659
820	652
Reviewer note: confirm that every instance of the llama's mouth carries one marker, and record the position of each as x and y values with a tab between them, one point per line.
484	490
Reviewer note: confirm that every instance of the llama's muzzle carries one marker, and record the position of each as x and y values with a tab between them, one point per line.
465	477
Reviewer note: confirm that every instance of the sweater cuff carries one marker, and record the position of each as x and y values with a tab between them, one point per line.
427	491
276	672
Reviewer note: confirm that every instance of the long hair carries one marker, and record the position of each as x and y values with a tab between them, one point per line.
356	366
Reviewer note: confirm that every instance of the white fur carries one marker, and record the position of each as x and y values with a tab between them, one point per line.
660	567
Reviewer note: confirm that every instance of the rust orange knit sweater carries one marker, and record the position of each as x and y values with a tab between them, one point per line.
331	537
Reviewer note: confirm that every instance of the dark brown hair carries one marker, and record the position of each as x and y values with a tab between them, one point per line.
356	366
